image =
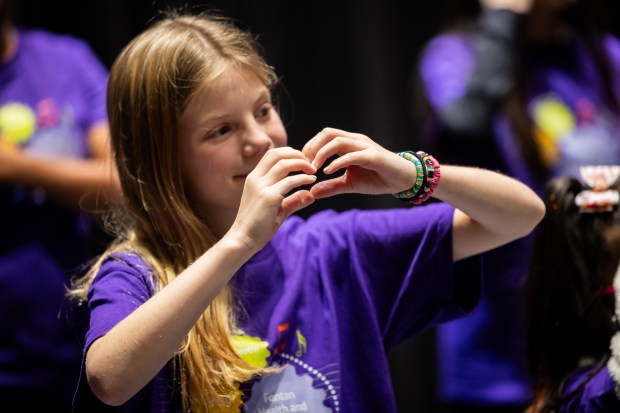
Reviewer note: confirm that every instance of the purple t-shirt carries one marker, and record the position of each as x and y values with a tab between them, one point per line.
598	395
328	297
51	92
482	357
565	97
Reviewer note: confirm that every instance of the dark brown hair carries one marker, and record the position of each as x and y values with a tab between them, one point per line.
570	307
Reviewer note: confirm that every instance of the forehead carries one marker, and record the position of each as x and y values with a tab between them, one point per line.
233	86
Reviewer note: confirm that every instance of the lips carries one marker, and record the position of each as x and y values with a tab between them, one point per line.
241	175
244	175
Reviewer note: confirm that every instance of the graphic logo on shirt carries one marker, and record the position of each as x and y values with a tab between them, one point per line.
569	137
17	124
299	387
252	350
283	340
289	392
553	120
44	129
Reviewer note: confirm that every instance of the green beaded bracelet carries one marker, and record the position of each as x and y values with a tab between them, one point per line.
411	193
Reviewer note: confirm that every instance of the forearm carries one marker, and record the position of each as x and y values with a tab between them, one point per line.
73	182
492	209
124	360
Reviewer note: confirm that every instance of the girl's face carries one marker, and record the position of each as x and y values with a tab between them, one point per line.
226	129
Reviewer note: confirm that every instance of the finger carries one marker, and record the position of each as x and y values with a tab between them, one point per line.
320	148
338	146
330	187
318	141
296	201
286	185
357	158
284	167
273	155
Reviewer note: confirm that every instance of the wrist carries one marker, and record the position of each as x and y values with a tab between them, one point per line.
427	177
238	247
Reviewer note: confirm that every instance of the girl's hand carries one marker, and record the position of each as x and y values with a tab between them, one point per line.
265	202
369	168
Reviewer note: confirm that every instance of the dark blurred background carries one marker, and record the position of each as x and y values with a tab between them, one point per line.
346	64
343	64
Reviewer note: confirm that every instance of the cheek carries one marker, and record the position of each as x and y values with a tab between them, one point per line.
277	132
196	171
280	139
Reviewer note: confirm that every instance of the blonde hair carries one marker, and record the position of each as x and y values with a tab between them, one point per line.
149	87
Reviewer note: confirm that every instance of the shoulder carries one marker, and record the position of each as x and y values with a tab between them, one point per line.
128	259
330	224
447	61
458	46
63	45
125	268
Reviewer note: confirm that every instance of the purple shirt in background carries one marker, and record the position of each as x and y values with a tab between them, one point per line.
51	92
481	357
329	296
597	396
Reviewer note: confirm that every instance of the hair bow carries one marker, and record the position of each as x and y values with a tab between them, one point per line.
599	198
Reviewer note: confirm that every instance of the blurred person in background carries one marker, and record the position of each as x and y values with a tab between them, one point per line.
571	295
529	88
54	168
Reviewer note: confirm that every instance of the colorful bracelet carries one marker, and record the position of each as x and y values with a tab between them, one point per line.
420	176
427	178
428	173
432	177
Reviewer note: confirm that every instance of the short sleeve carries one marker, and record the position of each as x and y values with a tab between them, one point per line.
122	285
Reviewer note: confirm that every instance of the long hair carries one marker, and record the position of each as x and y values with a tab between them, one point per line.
150	84
570	307
586	17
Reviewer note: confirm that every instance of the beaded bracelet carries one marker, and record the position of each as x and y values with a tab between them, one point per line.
428	173
432	178
427	178
420	177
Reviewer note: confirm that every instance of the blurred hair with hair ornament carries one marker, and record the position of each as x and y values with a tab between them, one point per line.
600	197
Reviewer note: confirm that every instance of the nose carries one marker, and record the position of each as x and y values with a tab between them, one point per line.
256	141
